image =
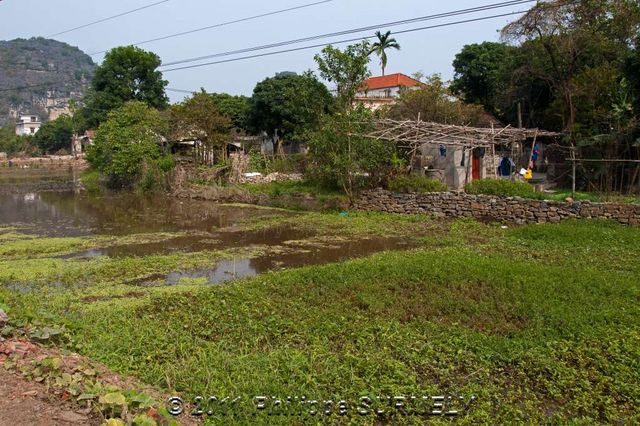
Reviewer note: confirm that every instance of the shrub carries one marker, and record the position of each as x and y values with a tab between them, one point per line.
127	149
91	180
504	188
55	135
415	183
339	158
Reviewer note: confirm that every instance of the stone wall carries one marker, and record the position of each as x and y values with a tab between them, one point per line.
486	207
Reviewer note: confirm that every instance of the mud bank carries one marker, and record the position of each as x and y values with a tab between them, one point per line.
48	162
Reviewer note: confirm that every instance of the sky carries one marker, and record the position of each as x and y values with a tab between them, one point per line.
429	51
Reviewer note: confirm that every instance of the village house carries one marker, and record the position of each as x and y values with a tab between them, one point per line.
79	143
384	90
28	125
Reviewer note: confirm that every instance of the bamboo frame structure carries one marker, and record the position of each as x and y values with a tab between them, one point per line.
412	134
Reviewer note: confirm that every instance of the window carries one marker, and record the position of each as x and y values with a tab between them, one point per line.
32	130
34	119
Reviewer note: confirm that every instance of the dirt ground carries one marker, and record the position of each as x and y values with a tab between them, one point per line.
25	403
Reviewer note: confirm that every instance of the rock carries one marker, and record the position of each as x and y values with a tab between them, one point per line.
4	318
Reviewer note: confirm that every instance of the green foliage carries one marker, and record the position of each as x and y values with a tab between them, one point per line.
384	42
126	74
480	73
55	135
433	102
275	189
127	147
199	118
11	143
289	104
347	69
509	306
235	108
91	180
295	163
547	313
503	188
547	39
415	183
632	72
340	159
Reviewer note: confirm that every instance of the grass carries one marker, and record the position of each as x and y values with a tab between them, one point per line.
541	322
507	188
275	189
593	197
503	188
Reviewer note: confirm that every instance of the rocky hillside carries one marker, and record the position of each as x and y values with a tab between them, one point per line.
55	72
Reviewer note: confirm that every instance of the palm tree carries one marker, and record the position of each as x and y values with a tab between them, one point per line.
379	47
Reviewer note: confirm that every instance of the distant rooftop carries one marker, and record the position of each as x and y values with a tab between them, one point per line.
391	80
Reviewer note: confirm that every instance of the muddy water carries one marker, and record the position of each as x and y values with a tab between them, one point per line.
247	267
60	212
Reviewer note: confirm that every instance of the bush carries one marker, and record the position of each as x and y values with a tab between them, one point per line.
55	135
11	144
127	149
91	180
504	188
416	183
341	159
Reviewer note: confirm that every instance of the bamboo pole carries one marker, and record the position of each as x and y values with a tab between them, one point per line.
573	172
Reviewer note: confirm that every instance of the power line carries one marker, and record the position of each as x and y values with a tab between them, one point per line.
108	18
277	52
222	24
318	45
353	31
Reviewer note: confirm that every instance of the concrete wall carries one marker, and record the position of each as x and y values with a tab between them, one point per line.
485	207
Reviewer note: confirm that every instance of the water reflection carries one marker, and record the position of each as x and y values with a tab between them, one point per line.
67	213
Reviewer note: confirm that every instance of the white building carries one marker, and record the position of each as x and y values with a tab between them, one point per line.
28	125
384	90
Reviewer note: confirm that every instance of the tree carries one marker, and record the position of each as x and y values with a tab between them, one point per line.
480	74
127	147
235	108
560	39
126	74
199	118
10	143
347	69
569	63
342	159
55	135
433	102
289	106
380	47
632	72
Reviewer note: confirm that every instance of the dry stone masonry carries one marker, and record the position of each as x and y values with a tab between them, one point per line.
487	207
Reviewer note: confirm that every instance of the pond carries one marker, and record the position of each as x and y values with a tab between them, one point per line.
48	204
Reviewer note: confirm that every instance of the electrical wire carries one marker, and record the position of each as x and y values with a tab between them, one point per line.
222	24
352	31
453	13
109	18
277	52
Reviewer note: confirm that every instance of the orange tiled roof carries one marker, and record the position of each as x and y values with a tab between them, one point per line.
391	80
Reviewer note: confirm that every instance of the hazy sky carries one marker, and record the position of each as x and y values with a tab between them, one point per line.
430	51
